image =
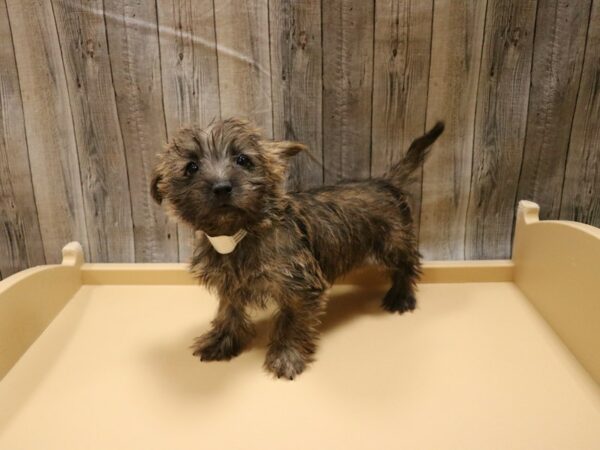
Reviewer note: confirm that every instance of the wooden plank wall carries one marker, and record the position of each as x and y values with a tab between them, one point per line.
90	90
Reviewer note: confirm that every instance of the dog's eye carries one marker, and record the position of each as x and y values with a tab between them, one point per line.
242	160
191	168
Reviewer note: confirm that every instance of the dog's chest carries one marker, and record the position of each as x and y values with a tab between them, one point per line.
250	280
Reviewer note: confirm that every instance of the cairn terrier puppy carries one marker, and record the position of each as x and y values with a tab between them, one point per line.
261	243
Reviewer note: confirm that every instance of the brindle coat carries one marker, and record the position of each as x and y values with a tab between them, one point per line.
228	177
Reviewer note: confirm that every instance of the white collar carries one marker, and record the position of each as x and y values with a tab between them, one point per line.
226	244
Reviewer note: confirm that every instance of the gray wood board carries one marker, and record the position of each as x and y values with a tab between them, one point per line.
101	153
456	56
581	192
500	124
347	88
296	73
49	126
400	84
20	239
136	68
559	44
244	61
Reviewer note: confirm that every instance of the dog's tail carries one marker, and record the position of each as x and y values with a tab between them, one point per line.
400	173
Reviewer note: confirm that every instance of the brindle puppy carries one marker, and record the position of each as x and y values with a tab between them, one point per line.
228	178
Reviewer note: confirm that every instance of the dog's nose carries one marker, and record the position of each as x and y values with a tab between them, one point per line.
222	188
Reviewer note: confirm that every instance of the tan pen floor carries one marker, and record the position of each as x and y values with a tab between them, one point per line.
474	367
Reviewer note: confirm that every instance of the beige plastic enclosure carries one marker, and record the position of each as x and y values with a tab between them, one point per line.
499	354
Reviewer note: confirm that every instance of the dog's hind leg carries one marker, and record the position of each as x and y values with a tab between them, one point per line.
405	268
401	296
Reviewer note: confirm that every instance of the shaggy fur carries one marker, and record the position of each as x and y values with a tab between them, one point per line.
228	177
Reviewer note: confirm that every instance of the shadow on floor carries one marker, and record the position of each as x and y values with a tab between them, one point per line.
190	378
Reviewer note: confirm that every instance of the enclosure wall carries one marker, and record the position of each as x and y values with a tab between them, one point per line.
90	91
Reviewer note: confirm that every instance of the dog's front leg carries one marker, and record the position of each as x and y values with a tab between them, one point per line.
295	336
231	331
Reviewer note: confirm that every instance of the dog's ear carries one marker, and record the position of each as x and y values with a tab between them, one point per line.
156	194
287	149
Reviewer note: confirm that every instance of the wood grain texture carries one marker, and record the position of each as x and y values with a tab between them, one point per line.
244	61
135	60
296	73
102	163
20	239
581	192
559	44
190	75
49	126
500	125
456	57
91	89
400	84
347	88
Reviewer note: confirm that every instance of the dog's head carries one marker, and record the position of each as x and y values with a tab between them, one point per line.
221	178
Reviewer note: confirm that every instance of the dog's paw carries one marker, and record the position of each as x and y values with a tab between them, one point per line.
285	363
215	346
402	303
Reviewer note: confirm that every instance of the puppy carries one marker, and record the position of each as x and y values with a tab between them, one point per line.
261	243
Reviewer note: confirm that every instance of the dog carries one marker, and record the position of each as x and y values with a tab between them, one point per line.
260	243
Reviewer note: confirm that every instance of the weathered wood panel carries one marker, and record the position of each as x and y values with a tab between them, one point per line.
456	57
347	88
104	83
581	193
296	73
101	153
135	60
244	61
20	239
400	84
189	74
500	124
559	44
49	126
